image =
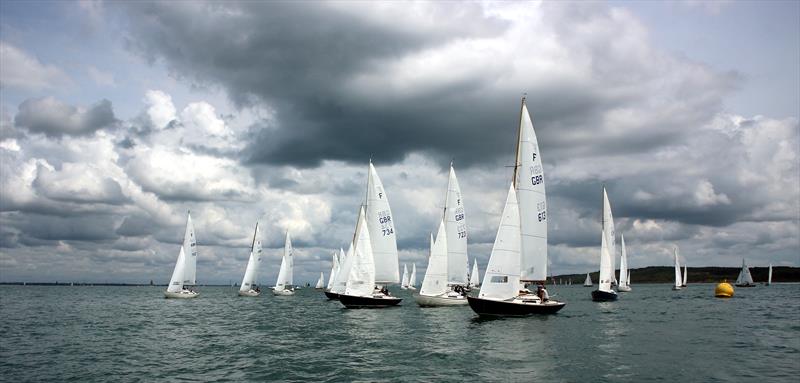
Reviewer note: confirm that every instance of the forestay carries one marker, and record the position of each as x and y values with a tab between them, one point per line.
501	280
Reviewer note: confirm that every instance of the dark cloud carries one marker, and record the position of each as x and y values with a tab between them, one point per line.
88	227
55	118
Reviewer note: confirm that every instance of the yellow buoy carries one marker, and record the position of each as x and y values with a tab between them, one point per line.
723	290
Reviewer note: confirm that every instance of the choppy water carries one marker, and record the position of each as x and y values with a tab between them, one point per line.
133	334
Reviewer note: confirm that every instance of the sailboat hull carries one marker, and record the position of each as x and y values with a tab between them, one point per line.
488	307
249	293
332	296
181	294
745	285
676	288
354	302
624	289
440	300
283	293
604	296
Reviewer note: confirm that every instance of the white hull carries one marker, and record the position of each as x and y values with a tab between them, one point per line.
282	292
675	288
412	288
403	288
249	293
440	300
184	294
624	289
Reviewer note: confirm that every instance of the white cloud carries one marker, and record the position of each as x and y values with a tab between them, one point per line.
20	70
160	108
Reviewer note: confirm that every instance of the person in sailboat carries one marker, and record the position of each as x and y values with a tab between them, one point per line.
385	291
545	296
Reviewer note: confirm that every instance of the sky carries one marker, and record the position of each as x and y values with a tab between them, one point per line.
116	118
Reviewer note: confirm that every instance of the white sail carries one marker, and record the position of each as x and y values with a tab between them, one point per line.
744	275
588	281
685	273
176	282
381	230
529	183
190	247
346	262
334	270
623	263
320	282
606	273
456	229
404	280
435	280
412	280
769	275
249	281
361	281
629	277
285	277
501	280
609	232
678	278
474	276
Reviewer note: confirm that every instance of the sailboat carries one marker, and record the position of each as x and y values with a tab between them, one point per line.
340	282
588	281
744	279
334	269
412	280
624	283
678	279
604	291
360	288
769	275
249	287
183	280
452	239
685	275
320	282
379	229
283	286
474	276
519	253
404	280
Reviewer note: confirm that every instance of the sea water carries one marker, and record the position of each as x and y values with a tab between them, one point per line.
98	333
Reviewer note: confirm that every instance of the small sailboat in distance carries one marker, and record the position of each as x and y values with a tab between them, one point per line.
624	286
412	280
340	282
769	275
183	280
404	280
474	276
678	280
435	291
604	290
283	286
588	281
249	287
744	279
685	275
320	282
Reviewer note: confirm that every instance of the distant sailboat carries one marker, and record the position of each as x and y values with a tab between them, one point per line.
412	280
604	291
519	253
334	269
624	283
183	280
360	288
474	276
249	287
678	279
339	284
284	284
744	279
452	239
685	275
588	281
320	282
404	280
769	275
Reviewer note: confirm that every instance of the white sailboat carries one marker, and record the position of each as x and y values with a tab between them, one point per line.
412	280
685	275
604	290
284	284
340	282
404	280
452	238
769	275
520	247
744	279
334	269
183	280
320	282
435	290
678	279
474	276
249	286
624	283
588	281
360	288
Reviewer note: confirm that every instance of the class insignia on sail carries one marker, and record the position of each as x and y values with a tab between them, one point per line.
183	283
519	254
249	286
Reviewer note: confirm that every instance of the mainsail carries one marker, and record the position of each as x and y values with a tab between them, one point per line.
588	281
412	280
320	282
623	263
381	231
607	247
456	229
404	280
249	281
678	279
474	276
285	277
744	275
190	247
